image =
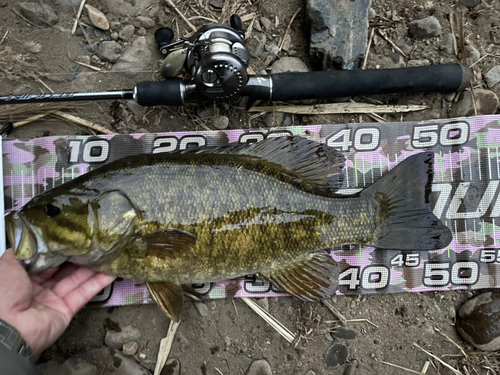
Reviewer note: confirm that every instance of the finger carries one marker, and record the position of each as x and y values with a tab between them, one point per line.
83	294
64	271
43	276
73	281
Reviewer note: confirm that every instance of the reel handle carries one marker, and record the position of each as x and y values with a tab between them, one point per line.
163	37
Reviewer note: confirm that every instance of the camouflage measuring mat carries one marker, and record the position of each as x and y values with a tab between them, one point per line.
465	196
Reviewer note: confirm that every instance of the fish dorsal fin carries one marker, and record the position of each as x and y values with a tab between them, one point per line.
311	166
166	243
169	298
311	278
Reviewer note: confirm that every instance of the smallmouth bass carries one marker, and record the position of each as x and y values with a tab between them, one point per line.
211	214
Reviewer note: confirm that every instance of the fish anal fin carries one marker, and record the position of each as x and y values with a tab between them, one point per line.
169	297
191	293
166	243
311	278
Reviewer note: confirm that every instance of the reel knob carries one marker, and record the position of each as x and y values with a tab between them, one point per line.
164	36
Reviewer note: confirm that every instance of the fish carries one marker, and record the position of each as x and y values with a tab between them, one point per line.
209	214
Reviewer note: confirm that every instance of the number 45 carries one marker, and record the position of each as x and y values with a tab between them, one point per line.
407	260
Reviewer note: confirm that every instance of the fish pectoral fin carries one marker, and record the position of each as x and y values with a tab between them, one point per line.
191	293
311	278
169	298
166	243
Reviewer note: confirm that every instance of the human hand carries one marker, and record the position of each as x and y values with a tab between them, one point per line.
41	306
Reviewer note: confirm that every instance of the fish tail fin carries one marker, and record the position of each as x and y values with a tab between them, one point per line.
405	220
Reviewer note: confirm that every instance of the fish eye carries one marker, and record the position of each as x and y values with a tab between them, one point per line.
52	210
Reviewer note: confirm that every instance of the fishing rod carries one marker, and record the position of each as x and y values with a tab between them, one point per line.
216	58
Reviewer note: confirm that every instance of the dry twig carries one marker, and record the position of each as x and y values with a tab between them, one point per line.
396	48
368	48
455	371
335	312
78	15
288	27
450	340
81	121
4	36
335	108
171	3
401	367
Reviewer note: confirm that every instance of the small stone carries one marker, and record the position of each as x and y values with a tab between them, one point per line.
260	367
287	42
424	28
470	3
109	51
217	4
266	23
97	18
452	313
493	76
371	13
345	333
429	6
116	340
264	303
219	122
142	31
310	372
449	96
114	36
73	72
257	26
130	348
486	103
477	321
200	306
115	25
135	59
40	15
78	366
33	47
405	45
472	54
127	33
172	367
336	355
93	47
350	368
495	36
146	22
448	46
289	64
422	62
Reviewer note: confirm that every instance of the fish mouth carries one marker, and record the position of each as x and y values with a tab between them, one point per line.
21	237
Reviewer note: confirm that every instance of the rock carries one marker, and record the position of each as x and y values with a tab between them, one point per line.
217	4
142	31
78	366
67	4
33	47
93	48
405	45
449	96
289	64
260	367
345	333
350	368
146	22
51	368
336	355
371	13
473	54
130	348
424	28
115	25
266	23
264	303
115	340
493	76
422	62
257	26
135	59
470	3
172	367
477	321
97	18
486	103
448	44
73	72
114	36
127	8
40	15
200	306
339	32
495	36
109	51
127	33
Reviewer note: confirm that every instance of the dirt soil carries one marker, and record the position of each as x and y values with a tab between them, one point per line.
232	336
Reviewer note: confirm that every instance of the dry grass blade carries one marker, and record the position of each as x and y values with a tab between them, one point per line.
78	15
336	108
14	66
335	312
396	48
81	121
171	4
363	320
271	320
165	346
450	340
4	36
455	371
401	367
288	27
370	39
31	119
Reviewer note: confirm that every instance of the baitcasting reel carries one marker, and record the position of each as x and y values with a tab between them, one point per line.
215	56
